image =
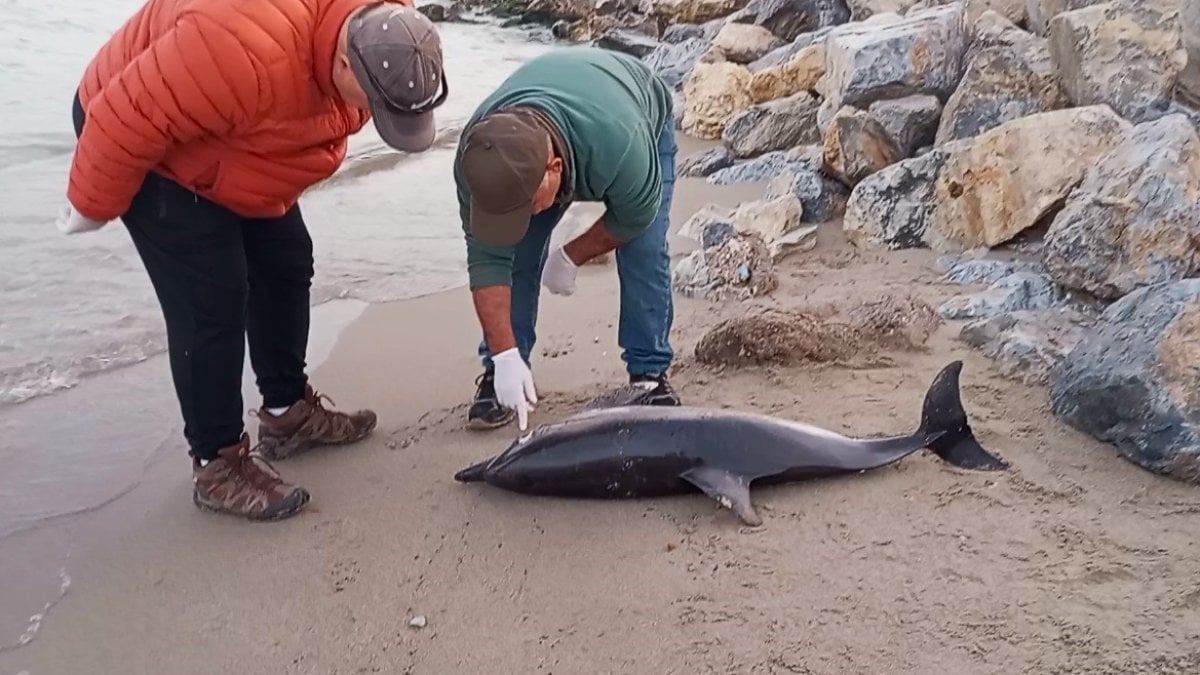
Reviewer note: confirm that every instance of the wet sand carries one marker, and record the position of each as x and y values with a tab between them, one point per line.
1073	562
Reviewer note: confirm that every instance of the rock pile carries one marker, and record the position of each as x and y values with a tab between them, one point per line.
960	126
965	126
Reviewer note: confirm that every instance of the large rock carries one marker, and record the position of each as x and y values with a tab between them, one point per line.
998	184
911	122
775	125
549	11
823	198
1013	10
1135	219
705	162
744	43
797	75
627	41
1189	79
894	208
675	62
863	9
1009	79
770	219
681	32
1040	12
1015	292
782	55
1133	382
856	146
713	94
769	166
690	11
788	19
919	54
1127	54
1027	345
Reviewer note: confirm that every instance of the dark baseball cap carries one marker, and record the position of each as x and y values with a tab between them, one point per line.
504	161
396	54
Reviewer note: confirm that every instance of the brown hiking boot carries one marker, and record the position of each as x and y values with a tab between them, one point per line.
308	423
242	483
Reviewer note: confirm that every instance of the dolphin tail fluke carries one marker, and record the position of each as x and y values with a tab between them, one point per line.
943	411
473	473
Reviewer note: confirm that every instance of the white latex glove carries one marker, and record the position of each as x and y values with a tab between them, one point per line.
559	273
514	385
70	221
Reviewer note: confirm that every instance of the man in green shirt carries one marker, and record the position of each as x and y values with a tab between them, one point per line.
579	123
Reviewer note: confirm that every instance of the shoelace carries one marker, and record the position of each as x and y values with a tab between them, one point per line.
249	467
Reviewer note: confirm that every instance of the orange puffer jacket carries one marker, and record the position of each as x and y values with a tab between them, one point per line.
234	100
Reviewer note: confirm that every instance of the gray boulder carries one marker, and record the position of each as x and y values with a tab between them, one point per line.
788	19
705	162
1027	345
823	198
769	166
894	208
973	272
1042	11
1134	221
628	42
774	125
1014	292
911	122
1127	54
682	32
875	60
674	62
1011	76
1133	381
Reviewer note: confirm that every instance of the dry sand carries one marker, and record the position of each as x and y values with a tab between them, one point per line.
1074	561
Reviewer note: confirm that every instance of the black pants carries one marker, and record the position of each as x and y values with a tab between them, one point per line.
222	279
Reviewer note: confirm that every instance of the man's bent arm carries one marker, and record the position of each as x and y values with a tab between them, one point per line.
594	242
493	306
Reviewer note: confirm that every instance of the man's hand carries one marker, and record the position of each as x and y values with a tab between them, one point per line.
70	221
595	241
514	385
559	273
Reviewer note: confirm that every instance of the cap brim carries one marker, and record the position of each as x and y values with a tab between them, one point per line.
500	229
404	131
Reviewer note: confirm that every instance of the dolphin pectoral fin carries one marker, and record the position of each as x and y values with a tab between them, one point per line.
730	490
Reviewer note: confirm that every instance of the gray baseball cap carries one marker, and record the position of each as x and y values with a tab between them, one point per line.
396	54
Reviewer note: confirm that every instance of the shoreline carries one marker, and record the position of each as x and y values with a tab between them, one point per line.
656	586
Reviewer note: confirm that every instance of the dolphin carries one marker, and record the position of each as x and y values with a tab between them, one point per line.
617	449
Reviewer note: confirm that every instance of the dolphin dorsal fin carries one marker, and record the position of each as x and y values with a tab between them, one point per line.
729	490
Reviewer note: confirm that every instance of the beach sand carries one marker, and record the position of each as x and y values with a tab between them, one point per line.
1074	561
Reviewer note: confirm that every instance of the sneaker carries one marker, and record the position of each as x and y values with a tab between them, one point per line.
308	423
486	412
662	394
242	483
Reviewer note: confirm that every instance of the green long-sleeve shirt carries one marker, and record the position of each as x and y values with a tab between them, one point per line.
610	109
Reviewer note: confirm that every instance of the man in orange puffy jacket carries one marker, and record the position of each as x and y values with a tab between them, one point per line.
200	123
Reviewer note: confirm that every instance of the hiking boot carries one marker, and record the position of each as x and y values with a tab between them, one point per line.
486	412
309	423
662	394
240	482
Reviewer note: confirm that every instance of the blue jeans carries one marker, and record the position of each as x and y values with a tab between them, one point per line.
643	268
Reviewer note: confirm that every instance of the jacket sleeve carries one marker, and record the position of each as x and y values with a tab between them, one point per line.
195	80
